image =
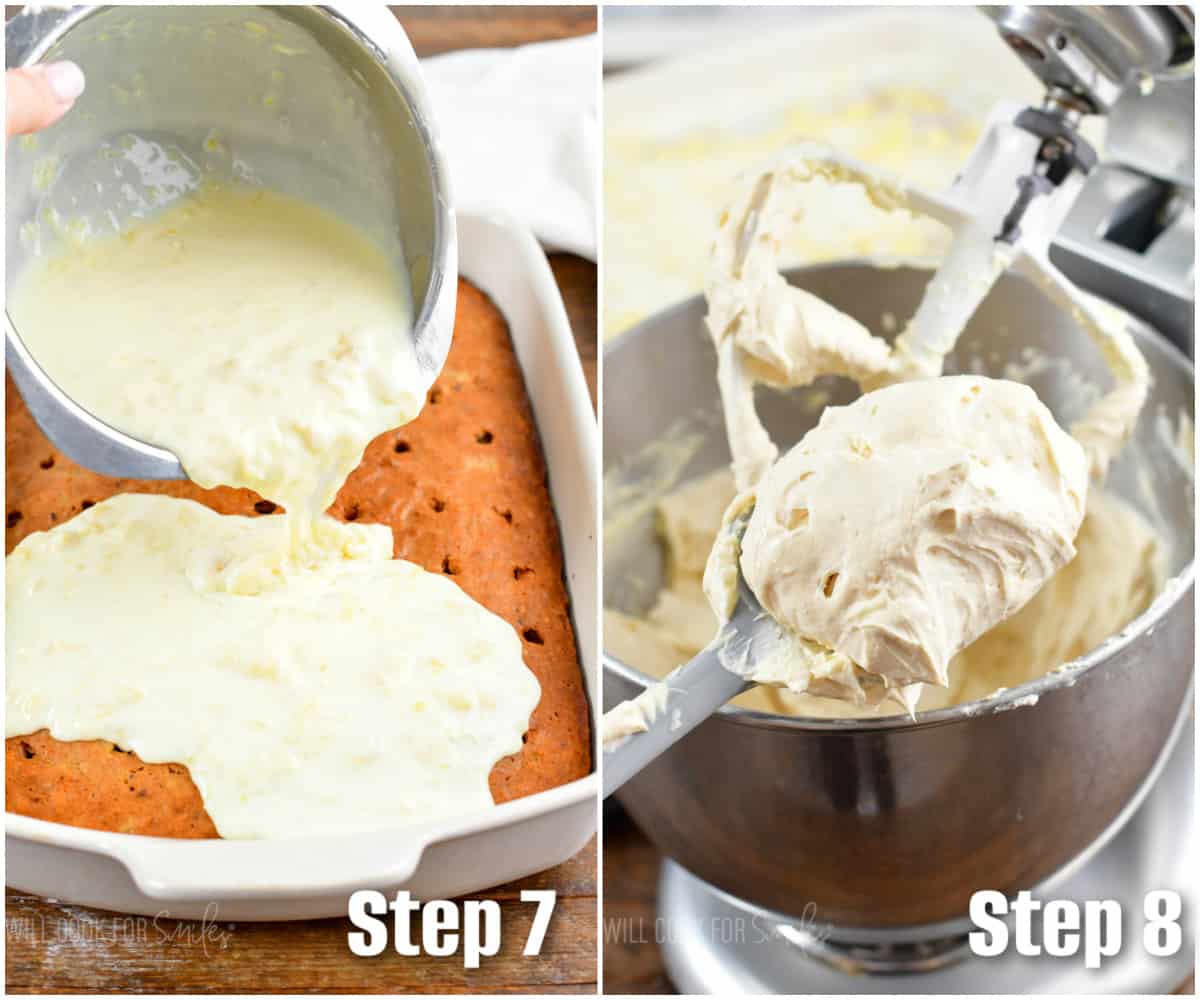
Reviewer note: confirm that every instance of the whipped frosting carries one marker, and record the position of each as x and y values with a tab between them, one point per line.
1118	569
920	517
895	548
767	331
909	523
1110	421
635	715
362	693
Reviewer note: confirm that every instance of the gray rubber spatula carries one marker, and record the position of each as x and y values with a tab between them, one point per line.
702	685
695	690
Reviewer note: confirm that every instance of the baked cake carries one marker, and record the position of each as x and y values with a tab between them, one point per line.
463	488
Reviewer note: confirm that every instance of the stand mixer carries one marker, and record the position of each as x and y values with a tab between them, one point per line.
1122	229
1129	237
805	853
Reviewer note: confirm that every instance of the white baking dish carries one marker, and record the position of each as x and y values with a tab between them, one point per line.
305	878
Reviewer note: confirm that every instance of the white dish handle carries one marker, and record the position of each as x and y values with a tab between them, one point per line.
161	868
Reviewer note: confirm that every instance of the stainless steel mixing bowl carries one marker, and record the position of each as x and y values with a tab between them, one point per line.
889	825
324	103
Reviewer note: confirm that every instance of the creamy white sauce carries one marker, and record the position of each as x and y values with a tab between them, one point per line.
360	694
311	683
259	338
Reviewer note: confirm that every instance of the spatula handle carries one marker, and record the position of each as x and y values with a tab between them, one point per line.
694	692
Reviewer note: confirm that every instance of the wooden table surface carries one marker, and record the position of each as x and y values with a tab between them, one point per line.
54	948
632	959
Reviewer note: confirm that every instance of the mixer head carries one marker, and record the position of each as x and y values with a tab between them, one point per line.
1087	55
1129	234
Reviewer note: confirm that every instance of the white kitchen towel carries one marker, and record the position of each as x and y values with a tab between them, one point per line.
521	133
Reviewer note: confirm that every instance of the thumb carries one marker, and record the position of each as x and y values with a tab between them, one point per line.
38	96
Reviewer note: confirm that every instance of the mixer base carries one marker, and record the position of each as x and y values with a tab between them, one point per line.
717	944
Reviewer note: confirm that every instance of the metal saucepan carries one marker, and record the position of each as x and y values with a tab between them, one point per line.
323	103
888	825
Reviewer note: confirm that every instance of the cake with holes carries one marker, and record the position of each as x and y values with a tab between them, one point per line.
217	687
